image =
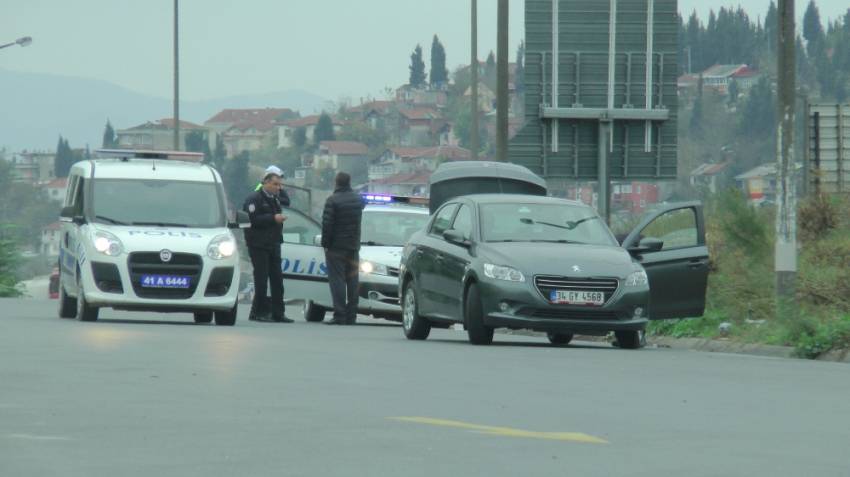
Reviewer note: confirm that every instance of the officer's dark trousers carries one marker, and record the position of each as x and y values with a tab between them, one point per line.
343	269
267	270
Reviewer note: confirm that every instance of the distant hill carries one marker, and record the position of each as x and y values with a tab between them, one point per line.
36	108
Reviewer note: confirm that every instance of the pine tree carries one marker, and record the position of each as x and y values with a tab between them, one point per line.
324	130
299	137
519	80
813	31
219	155
417	68
109	136
771	27
439	73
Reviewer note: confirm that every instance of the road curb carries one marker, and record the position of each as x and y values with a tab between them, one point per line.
713	346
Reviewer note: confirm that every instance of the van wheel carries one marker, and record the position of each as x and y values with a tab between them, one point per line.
85	312
203	317
479	333
313	312
67	305
629	339
559	339
415	326
226	318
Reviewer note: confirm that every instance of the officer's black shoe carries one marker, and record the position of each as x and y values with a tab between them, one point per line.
264	317
282	319
335	322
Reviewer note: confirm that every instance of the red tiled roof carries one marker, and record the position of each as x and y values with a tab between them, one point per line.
746	72
309	121
344	148
449	152
166	123
236	116
420	177
421	113
59	183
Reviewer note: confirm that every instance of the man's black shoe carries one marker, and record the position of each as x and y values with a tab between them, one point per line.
264	317
335	322
282	319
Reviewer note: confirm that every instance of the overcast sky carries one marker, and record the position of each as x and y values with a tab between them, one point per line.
334	48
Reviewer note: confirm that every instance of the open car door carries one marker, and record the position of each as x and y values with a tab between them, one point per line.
678	266
303	265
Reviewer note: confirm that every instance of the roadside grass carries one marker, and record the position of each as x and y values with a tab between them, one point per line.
741	282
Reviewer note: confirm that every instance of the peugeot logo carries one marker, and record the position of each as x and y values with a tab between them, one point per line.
576	269
165	255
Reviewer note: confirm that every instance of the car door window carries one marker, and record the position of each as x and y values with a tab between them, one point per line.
299	229
463	222
443	220
78	197
677	229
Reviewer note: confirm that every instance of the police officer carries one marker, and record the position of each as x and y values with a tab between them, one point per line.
341	241
282	196
264	238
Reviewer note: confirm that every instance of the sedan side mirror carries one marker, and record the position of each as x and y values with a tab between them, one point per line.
647	245
243	221
317	240
455	237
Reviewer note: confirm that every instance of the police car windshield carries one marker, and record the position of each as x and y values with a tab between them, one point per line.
543	223
157	202
390	229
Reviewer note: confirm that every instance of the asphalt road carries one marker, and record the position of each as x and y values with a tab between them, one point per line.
155	395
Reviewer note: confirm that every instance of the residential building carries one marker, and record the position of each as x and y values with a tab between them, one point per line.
405	184
712	176
407	160
55	189
634	197
413	96
286	130
420	126
759	183
718	77
343	156
50	238
486	98
156	135
33	167
251	128
372	112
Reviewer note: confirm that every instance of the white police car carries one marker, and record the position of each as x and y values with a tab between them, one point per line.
148	230
388	221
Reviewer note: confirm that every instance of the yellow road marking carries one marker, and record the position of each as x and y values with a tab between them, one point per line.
504	431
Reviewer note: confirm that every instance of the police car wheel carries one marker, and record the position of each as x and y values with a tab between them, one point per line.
313	313
226	318
203	317
629	339
67	305
85	312
415	327
559	338
478	332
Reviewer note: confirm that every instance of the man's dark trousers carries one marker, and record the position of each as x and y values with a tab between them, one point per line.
267	270
343	275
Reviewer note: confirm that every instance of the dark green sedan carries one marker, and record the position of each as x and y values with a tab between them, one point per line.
550	265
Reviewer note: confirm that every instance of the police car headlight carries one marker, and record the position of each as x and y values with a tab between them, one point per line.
221	247
107	243
499	272
637	279
368	267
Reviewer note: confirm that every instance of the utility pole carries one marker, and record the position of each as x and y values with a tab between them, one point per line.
786	194
473	70
502	84
176	84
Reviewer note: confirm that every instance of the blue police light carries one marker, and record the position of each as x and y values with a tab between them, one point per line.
377	198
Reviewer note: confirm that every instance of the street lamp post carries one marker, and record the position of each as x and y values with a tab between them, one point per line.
23	41
176	83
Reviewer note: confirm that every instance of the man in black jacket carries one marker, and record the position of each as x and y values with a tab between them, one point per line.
341	241
264	238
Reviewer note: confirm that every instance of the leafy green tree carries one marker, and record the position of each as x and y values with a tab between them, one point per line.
299	137
417	68
734	91
360	131
9	262
237	180
439	73
109	139
324	129
196	141
758	118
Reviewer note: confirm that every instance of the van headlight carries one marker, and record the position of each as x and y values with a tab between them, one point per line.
107	243
500	272
367	267
221	247
637	279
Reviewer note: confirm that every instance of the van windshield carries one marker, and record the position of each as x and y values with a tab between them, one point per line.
157	202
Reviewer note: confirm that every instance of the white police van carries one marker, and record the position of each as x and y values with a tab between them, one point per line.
148	231
387	223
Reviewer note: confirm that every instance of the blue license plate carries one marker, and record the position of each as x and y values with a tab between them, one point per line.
165	281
